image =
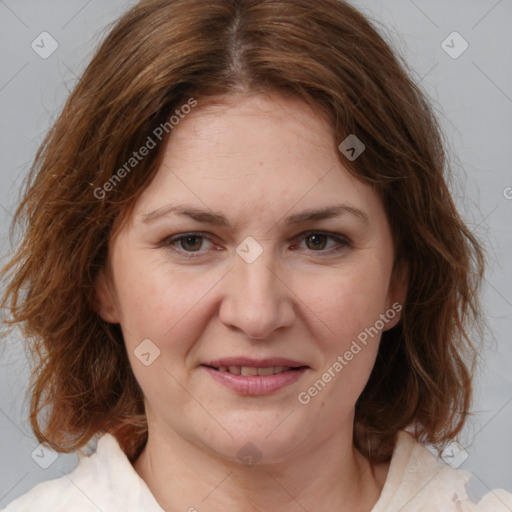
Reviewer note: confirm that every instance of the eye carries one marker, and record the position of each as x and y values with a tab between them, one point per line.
186	243
190	244
316	241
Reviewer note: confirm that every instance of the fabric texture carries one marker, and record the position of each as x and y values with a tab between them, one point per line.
106	481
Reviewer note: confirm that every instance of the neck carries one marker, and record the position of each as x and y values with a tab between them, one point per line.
332	475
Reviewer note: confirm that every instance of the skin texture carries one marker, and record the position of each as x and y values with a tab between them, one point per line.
256	159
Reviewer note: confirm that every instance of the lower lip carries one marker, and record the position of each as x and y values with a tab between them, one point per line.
256	384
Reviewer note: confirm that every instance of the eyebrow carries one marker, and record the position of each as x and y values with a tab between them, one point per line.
218	219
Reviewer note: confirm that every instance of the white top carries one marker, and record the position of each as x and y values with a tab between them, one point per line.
106	481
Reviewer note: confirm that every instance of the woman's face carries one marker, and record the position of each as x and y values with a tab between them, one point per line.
253	283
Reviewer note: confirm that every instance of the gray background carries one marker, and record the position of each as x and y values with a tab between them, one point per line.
472	95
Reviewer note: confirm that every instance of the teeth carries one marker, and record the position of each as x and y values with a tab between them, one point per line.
265	371
251	370
248	370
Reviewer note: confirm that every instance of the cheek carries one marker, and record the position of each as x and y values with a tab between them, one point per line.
162	304
347	300
349	305
167	308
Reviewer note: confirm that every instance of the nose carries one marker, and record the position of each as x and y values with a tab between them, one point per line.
257	300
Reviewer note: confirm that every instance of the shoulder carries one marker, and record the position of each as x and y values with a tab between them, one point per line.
104	481
419	482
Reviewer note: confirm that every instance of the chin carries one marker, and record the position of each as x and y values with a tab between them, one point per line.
252	442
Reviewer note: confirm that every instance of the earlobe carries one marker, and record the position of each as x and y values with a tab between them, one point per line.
105	304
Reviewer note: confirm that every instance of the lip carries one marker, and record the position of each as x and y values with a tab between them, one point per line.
255	363
255	384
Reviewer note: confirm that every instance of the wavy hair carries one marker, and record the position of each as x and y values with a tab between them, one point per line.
157	56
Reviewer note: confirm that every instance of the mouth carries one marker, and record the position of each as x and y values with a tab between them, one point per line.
255	377
251	370
250	367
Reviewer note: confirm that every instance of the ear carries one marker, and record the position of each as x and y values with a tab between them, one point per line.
397	292
106	306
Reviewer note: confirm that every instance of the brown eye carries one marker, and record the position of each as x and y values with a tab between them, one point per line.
191	242
187	244
317	241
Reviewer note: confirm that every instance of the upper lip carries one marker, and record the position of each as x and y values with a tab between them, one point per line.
267	362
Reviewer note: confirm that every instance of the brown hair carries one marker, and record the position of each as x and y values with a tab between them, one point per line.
324	52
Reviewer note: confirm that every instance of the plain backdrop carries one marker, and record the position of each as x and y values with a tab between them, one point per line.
472	94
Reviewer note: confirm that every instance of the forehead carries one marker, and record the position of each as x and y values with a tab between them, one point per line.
215	123
266	155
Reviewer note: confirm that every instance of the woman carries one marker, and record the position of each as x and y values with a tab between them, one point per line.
243	274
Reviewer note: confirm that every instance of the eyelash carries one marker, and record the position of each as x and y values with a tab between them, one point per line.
169	242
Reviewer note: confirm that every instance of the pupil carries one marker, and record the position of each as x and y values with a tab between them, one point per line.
318	241
189	238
